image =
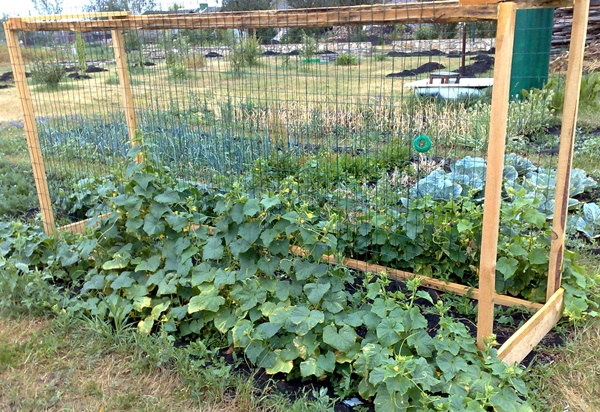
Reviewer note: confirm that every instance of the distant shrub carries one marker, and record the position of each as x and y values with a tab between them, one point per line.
132	42
178	71
347	59
379	57
80	51
425	32
310	46
194	62
48	73
244	54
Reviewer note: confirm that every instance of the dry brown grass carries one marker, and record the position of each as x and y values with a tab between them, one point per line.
10	109
51	372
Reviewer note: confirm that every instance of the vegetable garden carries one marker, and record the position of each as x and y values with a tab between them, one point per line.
297	202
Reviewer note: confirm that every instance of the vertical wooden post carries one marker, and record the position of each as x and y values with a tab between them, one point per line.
31	133
125	86
495	165
567	139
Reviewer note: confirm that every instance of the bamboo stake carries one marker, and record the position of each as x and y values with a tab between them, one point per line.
125	86
31	133
495	165
567	139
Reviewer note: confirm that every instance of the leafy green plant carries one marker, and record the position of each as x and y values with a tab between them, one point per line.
48	73
244	53
80	52
589	91
158	261
178	71
425	32
379	57
589	222
310	46
347	59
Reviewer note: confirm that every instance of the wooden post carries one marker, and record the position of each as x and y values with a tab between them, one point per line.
125	86
519	345
567	139
33	142
495	165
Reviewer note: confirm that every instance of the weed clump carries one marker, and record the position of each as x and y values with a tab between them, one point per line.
48	73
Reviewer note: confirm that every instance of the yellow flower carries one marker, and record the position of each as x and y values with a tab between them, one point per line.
286	190
309	215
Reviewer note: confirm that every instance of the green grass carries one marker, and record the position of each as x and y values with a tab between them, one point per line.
16	186
568	378
85	365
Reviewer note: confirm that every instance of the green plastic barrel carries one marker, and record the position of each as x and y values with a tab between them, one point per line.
531	50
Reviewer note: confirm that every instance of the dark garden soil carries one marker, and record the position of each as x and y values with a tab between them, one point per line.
481	64
213	55
425	68
7	80
270	53
95	69
417	54
78	76
144	64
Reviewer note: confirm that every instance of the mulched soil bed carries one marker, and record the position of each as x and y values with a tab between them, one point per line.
78	76
425	68
95	69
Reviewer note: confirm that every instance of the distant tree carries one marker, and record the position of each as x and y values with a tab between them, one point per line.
263	35
133	6
303	4
243	5
2	34
46	7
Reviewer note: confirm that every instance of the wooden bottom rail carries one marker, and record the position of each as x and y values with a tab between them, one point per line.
519	345
79	227
462	290
426	281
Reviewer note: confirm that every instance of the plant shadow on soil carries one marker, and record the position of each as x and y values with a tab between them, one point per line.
297	388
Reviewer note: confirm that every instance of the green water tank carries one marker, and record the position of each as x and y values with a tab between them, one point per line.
531	50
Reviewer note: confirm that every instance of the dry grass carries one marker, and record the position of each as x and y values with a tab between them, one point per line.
571	380
67	364
44	369
10	109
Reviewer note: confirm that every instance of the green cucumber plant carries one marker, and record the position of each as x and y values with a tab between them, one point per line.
189	262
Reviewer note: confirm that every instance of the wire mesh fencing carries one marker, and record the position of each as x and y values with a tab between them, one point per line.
374	113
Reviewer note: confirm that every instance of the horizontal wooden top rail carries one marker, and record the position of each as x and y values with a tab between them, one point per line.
525	4
426	12
78	16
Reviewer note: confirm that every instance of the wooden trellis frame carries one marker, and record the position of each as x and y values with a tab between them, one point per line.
546	315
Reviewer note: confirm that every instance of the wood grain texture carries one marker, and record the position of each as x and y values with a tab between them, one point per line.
525	4
426	281
495	165
125	87
519	345
77	16
567	139
31	133
426	12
